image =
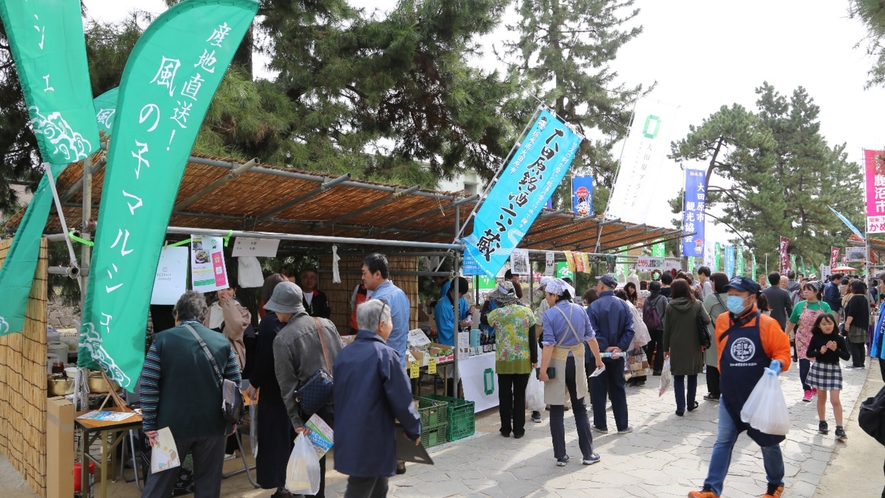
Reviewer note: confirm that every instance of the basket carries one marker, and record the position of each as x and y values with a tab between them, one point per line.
434	436
433	412
461	418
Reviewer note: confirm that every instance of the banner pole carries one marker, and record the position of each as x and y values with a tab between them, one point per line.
64	225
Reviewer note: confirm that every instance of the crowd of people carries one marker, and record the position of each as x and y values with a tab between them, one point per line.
581	352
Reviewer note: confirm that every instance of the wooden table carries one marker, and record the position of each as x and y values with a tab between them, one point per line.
104	430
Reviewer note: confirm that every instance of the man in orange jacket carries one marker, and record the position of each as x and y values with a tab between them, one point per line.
748	341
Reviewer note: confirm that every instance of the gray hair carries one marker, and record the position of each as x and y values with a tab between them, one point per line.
371	313
190	306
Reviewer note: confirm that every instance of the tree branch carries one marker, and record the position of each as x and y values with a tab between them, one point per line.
733	229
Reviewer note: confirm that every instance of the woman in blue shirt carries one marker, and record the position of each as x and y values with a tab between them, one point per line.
566	328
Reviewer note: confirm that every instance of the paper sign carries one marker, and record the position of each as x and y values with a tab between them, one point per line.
207	264
431	366
246	246
550	263
414	370
519	262
171	280
164	455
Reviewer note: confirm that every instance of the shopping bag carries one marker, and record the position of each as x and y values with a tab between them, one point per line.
253	428
666	378
303	470
534	394
766	409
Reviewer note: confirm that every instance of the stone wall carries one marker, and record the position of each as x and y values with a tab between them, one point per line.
59	316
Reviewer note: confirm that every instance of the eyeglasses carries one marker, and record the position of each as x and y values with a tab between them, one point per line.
381	313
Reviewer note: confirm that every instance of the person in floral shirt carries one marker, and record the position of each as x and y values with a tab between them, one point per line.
516	355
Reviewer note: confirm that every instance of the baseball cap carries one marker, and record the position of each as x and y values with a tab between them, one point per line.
743	284
608	280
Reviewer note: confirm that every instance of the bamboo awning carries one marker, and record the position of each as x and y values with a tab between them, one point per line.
285	200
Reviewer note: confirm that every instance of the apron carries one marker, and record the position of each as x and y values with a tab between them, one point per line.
742	365
803	330
555	392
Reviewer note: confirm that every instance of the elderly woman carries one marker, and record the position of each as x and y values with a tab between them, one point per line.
275	433
516	354
566	328
681	343
636	358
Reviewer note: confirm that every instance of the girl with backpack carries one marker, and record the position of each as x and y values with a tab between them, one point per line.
826	347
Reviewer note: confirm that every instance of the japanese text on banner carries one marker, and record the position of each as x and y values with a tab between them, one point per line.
693	209
875	180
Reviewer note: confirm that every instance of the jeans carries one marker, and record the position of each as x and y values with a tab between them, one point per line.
366	487
611	384
713	381
208	456
511	402
858	352
772	458
582	419
679	389
655	348
804	367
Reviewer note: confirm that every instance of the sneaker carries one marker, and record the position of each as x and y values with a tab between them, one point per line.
823	428
774	491
601	431
561	462
594	458
707	492
536	417
229	456
807	397
840	433
626	430
814	391
711	397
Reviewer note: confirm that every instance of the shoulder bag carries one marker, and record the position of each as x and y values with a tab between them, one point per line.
317	391
703	332
232	405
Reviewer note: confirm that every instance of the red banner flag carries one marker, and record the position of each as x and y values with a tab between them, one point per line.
785	257
834	256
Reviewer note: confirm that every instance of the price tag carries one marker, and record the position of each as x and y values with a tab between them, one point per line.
414	370
431	366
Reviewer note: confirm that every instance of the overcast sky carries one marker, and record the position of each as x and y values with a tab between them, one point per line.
706	54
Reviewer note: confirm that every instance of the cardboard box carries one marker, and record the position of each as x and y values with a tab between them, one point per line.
59	448
420	357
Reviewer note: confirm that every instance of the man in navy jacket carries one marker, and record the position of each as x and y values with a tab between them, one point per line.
371	391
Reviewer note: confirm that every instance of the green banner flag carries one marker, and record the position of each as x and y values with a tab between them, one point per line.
167	86
802	266
716	256
46	39
754	266
793	263
739	254
562	271
106	110
658	250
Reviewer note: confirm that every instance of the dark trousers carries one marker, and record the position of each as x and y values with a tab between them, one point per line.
366	487
208	455
582	419
612	385
713	381
511	402
882	368
804	367
858	352
679	390
655	348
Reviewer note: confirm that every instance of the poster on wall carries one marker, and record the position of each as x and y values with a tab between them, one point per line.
519	262
171	280
208	272
854	254
550	260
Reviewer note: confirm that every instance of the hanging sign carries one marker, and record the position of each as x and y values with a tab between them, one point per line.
783	249
171	279
563	271
834	256
208	272
247	246
729	261
875	180
693	213
550	263
659	250
582	195
522	189
519	262
646	263
168	83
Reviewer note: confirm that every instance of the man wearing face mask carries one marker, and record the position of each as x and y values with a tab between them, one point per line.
748	342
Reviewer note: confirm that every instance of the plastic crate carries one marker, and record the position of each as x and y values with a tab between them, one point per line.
433	412
434	436
461	418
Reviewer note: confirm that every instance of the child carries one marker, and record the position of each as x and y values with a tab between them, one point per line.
826	347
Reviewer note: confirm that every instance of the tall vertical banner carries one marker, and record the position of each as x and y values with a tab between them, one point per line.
834	256
167	86
729	261
710	254
754	266
645	148
694	204
783	251
46	39
522	189
106	110
875	181
658	250
739	256
582	195
716	256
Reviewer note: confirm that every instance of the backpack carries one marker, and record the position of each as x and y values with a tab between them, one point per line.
871	419
796	296
650	315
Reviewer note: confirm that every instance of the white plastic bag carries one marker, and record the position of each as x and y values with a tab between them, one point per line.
766	409
303	470
253	428
666	378
534	394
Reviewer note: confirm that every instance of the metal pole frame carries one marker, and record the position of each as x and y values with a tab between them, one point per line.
456	376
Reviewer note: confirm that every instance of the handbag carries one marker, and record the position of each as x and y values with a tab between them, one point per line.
703	331
233	407
317	391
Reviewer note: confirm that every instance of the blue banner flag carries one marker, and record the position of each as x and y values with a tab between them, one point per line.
848	223
530	178
729	261
582	195
693	208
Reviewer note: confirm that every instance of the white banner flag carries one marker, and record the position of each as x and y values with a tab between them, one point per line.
646	147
